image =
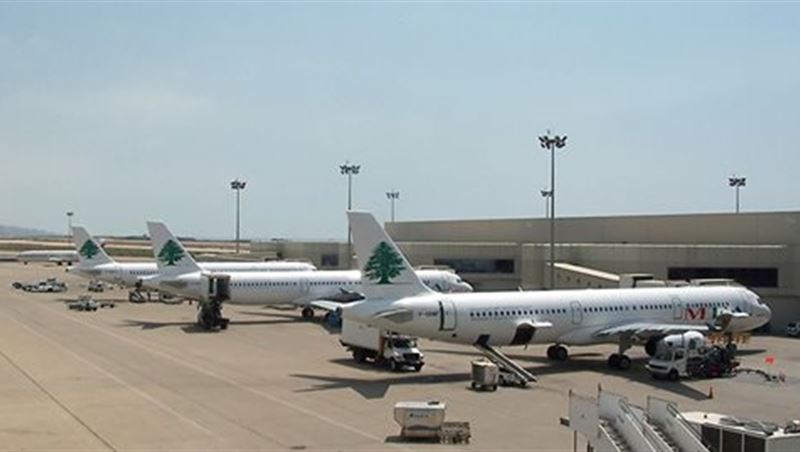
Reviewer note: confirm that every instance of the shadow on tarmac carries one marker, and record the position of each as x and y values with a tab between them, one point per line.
376	389
587	362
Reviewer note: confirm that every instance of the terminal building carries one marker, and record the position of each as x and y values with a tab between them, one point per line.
758	250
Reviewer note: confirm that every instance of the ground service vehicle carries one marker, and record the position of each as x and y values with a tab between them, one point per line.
425	421
368	343
84	303
689	356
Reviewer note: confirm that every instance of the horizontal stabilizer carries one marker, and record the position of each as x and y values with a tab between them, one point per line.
398	315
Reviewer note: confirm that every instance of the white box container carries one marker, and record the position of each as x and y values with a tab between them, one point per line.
420	419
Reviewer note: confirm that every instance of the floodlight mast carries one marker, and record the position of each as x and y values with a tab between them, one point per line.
238	185
737	183
546	195
349	170
69	222
392	196
551	143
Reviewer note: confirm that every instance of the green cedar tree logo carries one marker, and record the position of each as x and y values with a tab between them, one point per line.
89	249
171	253
384	264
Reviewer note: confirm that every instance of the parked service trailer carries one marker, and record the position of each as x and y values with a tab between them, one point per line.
426	421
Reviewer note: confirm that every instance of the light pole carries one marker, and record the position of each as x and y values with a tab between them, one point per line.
737	183
69	222
237	185
392	196
551	143
546	195
349	170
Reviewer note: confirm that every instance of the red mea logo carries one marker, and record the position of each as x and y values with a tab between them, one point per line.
696	313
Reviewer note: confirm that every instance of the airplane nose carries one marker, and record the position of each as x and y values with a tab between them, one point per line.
466	287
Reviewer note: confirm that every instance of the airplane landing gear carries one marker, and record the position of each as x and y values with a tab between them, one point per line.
307	313
209	316
619	361
557	353
730	346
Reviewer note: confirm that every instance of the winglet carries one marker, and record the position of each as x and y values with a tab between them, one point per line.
171	256
90	252
385	271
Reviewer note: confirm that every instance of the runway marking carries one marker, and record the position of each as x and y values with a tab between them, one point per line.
166	354
56	401
108	374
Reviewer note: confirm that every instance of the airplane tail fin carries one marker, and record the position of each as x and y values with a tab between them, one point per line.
90	252
385	271
171	256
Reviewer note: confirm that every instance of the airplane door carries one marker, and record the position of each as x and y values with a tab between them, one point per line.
219	288
577	312
677	308
447	315
304	285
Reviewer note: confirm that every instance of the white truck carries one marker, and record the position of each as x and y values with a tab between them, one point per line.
381	347
690	355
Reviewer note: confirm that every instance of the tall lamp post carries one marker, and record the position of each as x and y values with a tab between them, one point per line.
69	222
349	170
737	183
551	143
546	195
392	196
237	185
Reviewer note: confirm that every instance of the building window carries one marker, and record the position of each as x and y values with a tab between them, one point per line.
329	260
748	277
505	266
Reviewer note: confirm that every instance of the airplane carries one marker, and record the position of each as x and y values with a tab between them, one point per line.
95	263
323	289
59	257
396	300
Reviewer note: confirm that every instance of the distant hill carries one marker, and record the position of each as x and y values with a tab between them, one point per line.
16	231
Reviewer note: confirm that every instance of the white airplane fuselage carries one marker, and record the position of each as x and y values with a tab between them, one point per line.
130	274
299	288
569	317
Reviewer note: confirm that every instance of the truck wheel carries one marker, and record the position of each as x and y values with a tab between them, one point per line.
359	356
474	386
673	375
417	367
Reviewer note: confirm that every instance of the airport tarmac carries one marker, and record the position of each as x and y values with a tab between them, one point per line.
143	377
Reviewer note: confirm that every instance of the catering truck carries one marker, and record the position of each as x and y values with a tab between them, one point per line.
381	347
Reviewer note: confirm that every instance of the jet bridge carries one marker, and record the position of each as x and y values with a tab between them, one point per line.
504	362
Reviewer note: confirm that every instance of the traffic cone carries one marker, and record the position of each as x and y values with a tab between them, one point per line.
710	392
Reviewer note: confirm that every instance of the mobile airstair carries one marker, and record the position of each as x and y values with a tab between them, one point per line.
504	362
610	423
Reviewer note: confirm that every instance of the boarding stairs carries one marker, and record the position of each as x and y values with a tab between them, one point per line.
504	362
610	423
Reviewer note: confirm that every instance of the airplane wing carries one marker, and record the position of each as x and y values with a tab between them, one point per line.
326	305
645	329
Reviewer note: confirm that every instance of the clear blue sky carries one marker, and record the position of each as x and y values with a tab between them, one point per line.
128	112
